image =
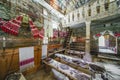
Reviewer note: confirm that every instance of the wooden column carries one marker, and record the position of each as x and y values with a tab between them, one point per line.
87	44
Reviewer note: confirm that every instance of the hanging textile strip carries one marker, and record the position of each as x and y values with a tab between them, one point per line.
1	23
34	30
98	35
15	24
17	20
65	34
6	27
30	22
61	34
55	34
41	33
117	34
12	26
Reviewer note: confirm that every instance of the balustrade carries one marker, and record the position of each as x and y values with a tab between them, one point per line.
95	11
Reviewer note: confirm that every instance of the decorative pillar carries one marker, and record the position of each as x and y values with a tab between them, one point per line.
87	44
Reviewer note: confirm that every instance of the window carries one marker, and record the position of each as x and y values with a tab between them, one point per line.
98	7
106	5
89	11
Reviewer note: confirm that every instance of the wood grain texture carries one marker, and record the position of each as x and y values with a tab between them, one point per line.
10	61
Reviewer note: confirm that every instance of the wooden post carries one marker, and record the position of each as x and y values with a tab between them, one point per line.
3	69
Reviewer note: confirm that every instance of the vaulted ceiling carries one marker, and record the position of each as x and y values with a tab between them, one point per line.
65	6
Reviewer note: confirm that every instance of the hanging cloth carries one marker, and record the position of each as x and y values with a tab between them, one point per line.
1	22
34	30
55	33
12	26
65	34
41	33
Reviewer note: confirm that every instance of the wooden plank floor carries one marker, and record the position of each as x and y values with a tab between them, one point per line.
41	75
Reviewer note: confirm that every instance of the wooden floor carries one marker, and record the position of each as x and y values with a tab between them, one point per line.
41	75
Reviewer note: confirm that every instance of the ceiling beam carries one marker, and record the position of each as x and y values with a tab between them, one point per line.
50	8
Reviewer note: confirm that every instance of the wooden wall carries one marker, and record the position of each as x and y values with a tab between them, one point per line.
10	61
53	46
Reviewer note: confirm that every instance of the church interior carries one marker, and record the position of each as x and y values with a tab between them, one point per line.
59	39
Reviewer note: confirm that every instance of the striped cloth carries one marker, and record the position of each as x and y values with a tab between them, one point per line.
35	32
12	26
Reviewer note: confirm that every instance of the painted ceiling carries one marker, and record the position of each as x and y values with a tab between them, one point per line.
66	6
